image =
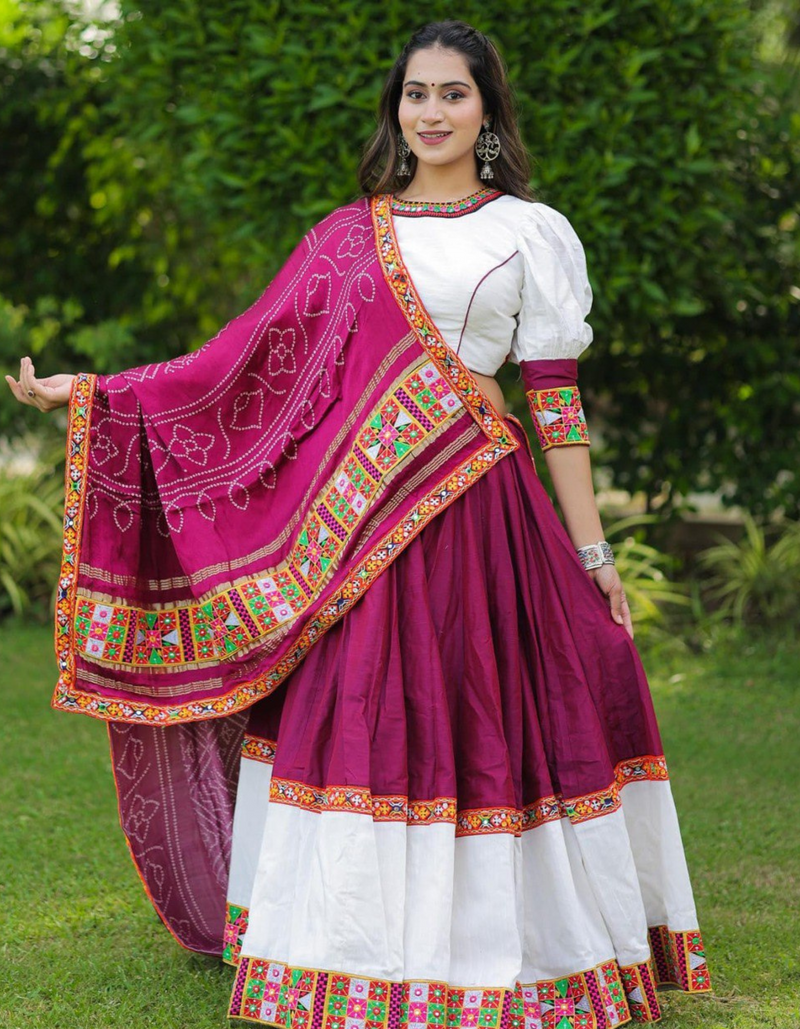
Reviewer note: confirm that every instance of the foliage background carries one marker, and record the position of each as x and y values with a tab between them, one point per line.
161	160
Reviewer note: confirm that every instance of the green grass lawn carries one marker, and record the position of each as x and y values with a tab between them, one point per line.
83	949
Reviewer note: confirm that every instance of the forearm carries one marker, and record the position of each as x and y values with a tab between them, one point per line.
571	473
552	393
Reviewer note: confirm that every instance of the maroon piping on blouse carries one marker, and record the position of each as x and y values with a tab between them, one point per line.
469	305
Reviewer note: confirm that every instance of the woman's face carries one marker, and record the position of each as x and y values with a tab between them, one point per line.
441	111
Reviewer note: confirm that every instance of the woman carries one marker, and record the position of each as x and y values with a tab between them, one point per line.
456	808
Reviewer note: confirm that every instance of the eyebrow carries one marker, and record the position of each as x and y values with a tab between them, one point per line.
414	82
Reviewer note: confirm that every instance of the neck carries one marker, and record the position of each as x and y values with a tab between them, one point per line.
441	184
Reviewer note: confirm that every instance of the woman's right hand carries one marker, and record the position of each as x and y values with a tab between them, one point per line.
45	394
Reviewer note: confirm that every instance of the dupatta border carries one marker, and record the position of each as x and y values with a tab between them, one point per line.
447	360
75	478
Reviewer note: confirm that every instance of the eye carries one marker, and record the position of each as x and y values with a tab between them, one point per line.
414	94
454	95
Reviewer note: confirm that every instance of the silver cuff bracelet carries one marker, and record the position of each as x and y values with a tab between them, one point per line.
595	554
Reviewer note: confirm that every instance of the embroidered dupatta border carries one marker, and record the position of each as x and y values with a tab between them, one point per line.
80	417
69	697
450	364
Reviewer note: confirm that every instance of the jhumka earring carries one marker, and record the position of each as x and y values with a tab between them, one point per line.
488	149
403	150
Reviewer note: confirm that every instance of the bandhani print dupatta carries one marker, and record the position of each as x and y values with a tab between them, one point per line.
226	508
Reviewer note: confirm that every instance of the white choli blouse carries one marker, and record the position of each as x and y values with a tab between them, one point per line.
505	279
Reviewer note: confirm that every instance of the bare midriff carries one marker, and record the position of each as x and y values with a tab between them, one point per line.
491	387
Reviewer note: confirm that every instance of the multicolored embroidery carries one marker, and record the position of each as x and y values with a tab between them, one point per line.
309	998
258	749
652	767
236	919
587	999
603	802
558	416
639	984
607	995
576	809
480	821
444	208
237	617
397	277
359	800
680	959
67	698
80	417
467	821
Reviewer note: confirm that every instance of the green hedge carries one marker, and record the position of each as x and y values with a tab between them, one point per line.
194	154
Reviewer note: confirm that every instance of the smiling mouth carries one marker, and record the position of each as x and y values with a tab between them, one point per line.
432	136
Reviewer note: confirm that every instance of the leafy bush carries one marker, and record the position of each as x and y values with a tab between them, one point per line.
756	579
32	507
160	176
644	572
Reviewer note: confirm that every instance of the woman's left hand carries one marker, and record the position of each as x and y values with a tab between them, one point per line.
43	394
607	580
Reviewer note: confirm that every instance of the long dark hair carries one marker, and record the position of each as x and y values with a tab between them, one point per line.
377	172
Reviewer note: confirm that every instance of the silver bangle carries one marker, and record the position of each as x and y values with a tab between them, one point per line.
595	555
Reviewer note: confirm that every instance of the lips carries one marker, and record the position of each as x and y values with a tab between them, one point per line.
431	138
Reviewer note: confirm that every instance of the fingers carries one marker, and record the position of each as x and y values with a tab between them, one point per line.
43	394
24	390
17	390
620	609
616	598
29	390
627	621
608	582
27	378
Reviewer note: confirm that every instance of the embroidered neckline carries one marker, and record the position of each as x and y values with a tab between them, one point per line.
445	208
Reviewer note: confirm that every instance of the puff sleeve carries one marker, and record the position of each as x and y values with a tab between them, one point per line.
551	330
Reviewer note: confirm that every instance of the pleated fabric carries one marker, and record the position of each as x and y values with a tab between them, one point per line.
457	810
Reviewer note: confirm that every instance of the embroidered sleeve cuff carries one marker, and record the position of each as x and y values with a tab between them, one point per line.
558	416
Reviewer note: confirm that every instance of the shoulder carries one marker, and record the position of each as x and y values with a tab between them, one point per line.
546	226
535	225
553	258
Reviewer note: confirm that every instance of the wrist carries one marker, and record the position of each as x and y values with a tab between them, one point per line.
584	527
595	555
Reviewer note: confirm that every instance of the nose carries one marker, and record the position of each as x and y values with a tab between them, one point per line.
432	111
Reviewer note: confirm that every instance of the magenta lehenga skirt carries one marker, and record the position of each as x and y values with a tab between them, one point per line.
456	811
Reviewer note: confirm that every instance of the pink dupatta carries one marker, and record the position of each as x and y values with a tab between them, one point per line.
226	508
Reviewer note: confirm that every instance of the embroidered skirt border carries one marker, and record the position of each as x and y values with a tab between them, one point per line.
468	822
597	998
